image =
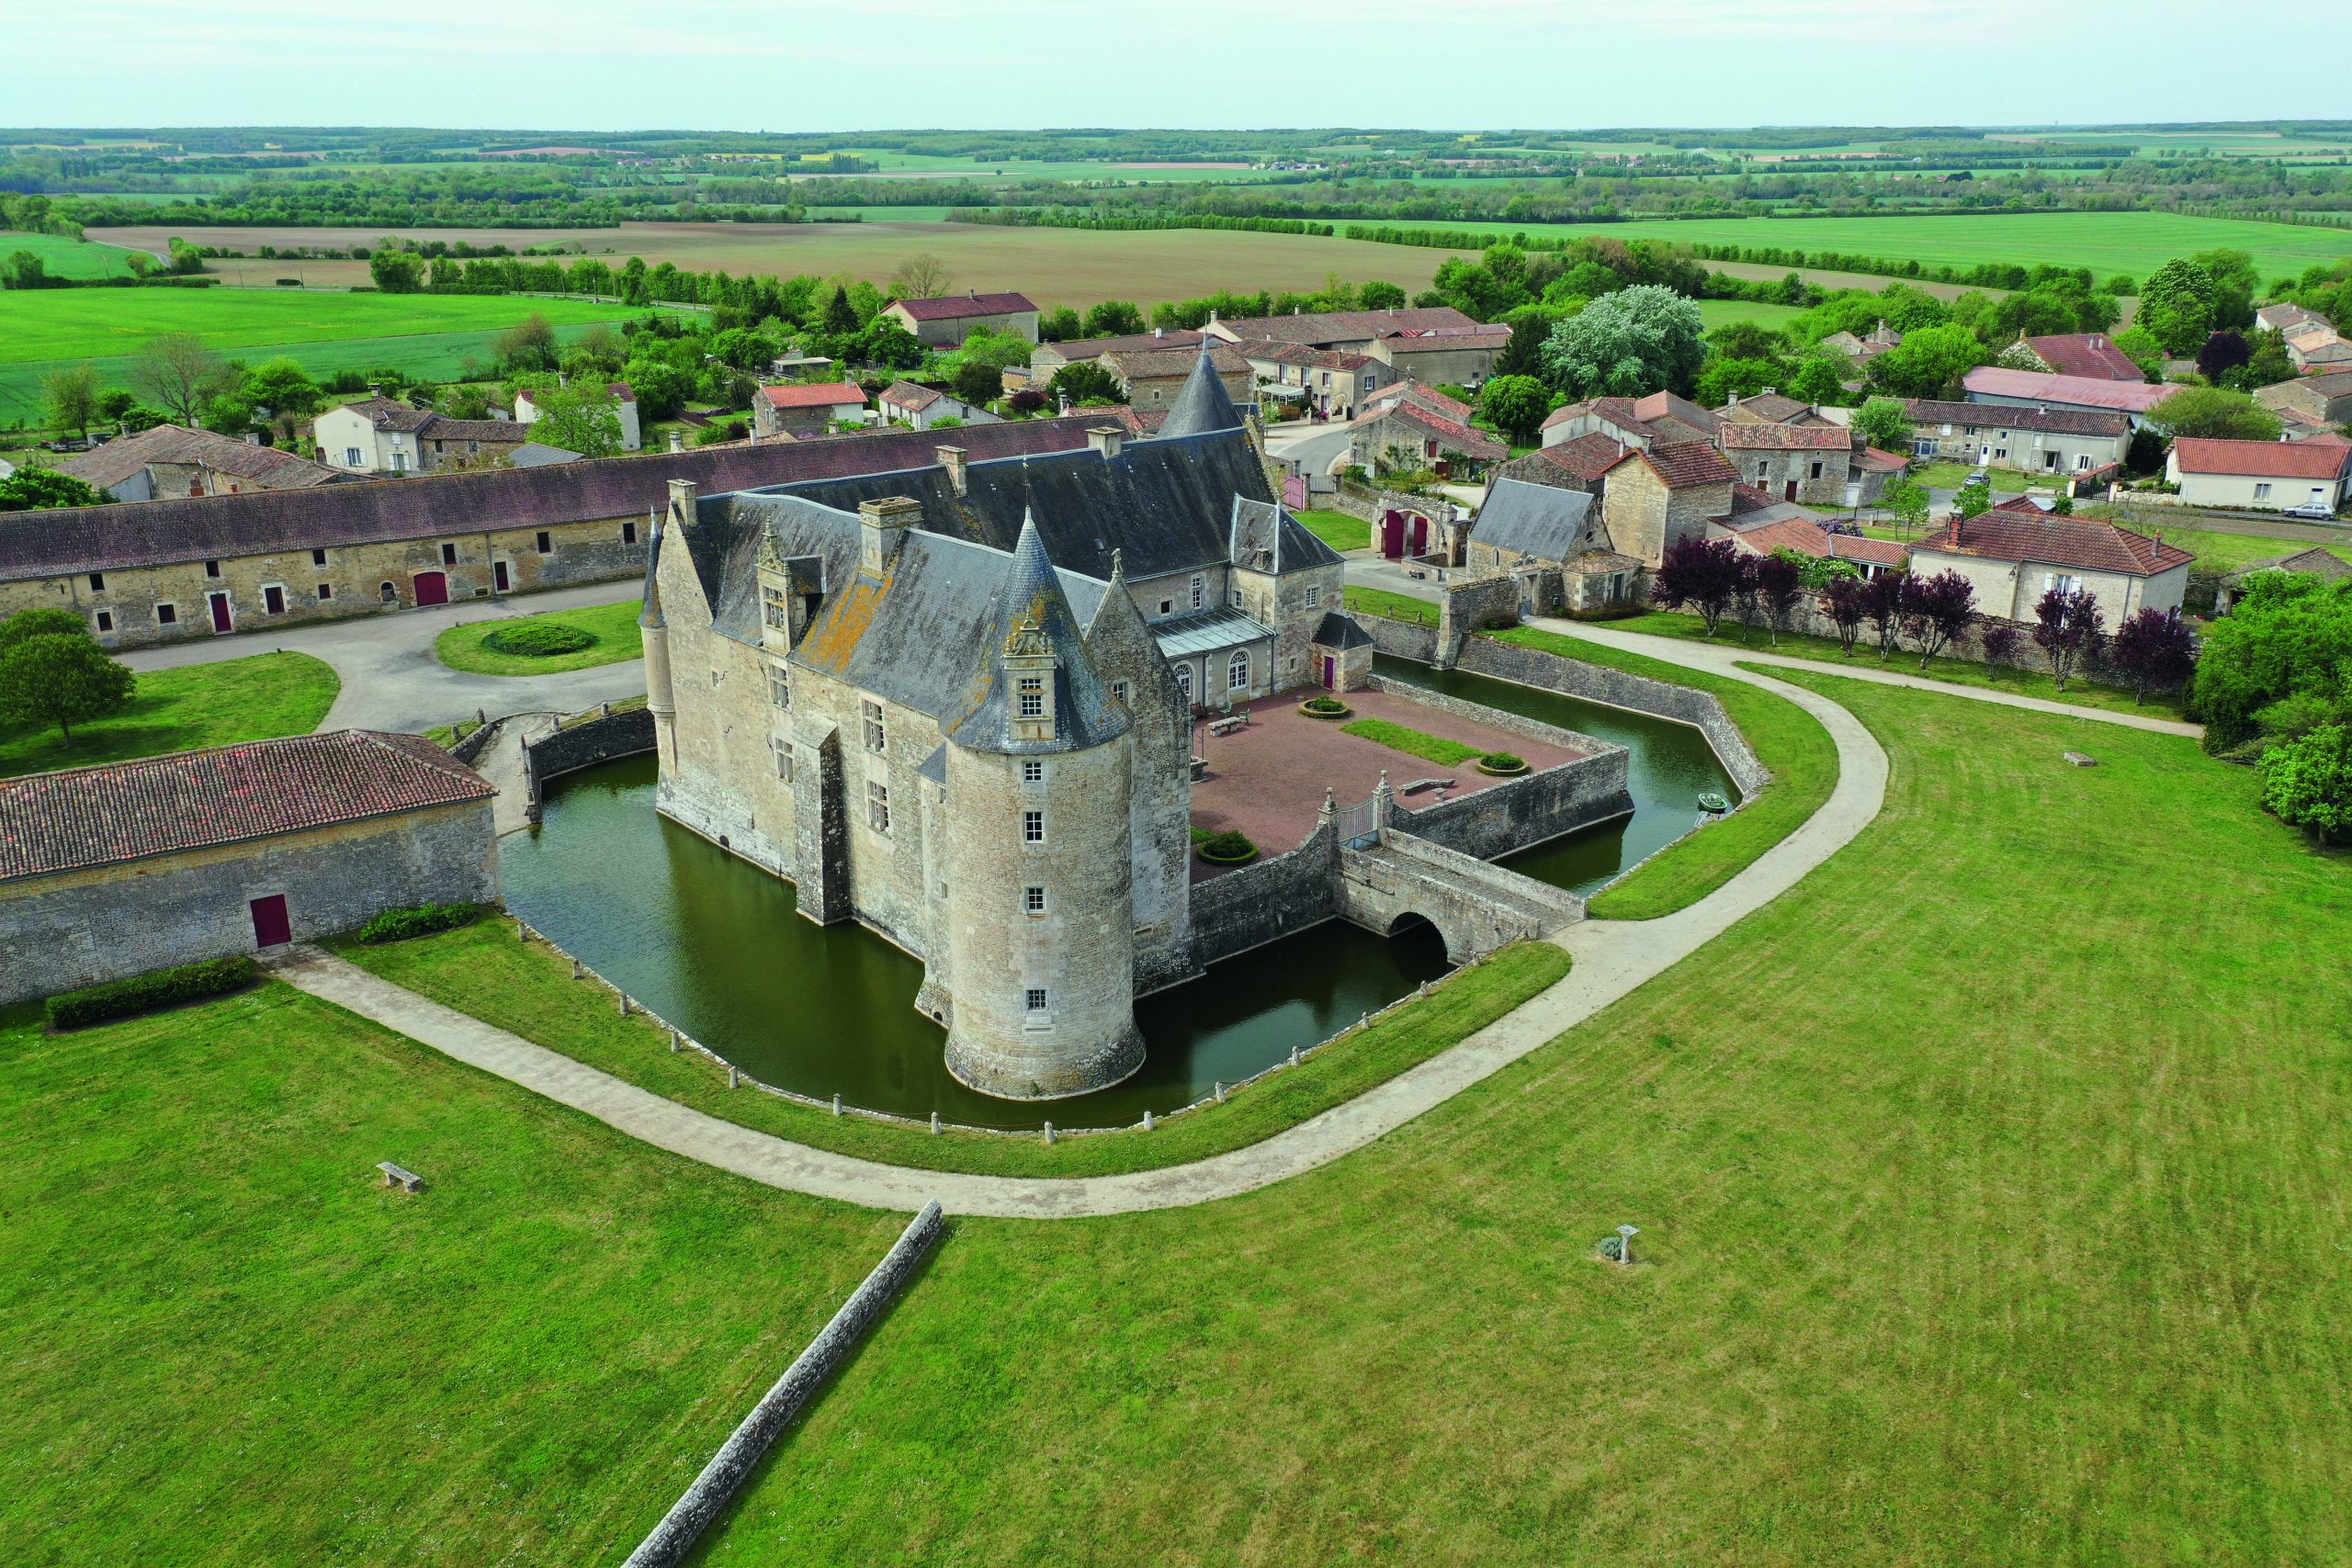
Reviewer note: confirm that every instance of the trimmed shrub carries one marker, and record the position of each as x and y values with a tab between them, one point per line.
1325	707
538	639
423	919
1502	762
1227	848
145	993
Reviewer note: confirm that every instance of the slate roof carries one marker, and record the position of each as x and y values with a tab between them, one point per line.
2122	397
955	307
2050	421
120	536
2092	355
1346	326
1266	537
123	457
2275	459
1543	520
2029	533
1204	404
85	817
815	394
1785	438
1029	602
1340	631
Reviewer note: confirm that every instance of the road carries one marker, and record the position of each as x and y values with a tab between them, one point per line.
1311	446
391	680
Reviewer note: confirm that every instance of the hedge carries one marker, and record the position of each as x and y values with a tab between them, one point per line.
540	639
422	920
145	993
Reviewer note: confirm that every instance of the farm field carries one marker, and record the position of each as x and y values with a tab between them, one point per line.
63	258
1718	312
426	334
1053	266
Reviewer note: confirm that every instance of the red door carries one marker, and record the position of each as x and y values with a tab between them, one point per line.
1392	534
1792	491
432	588
220	602
270	925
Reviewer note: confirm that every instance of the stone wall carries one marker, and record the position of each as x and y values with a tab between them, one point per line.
1529	728
1405	639
1267	899
1470	606
584	745
1476	907
117	921
1514	815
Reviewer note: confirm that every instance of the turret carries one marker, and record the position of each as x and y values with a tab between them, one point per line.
1204	405
654	630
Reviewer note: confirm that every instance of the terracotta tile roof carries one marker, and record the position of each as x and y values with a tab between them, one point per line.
1302	355
1588	456
1425	395
1153	363
1461	437
439	428
2276	459
1436	340
1746	497
125	456
1345	326
2124	397
1881	461
1686	465
1659	407
1771	407
388	413
1788	533
2004	416
1863	547
2288	318
2027	533
2324	562
954	306
2093	355
1785	438
159	805
1076	349
820	394
907	395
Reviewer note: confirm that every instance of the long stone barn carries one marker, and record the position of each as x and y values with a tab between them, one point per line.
169	571
113	870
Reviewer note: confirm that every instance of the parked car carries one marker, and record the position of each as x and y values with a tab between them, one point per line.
2313	512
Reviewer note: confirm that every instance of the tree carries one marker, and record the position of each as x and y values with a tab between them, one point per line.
1779	588
1884	423
1845	603
1629	344
2140	345
2233	282
920	276
527	346
1746	340
1114	318
1703	574
57	677
661	388
1907	501
1820	380
1999	641
1060	324
283	388
583	417
38	489
23	270
1928	363
839	316
2211	412
228	415
178	373
977	382
1725	379
1882	608
115	404
397	270
884	341
1378	295
1084	381
2223	352
2176	305
2280	663
70	393
2153	647
2307	782
1936	611
2267	364
1515	405
2068	628
1973	499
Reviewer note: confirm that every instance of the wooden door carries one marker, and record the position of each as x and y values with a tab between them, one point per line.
222	620
273	599
498	575
271	925
432	588
1331	674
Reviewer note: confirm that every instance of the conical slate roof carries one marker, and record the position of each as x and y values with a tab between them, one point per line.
1029	606
649	617
1203	405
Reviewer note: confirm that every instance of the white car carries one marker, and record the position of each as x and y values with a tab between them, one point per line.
2311	511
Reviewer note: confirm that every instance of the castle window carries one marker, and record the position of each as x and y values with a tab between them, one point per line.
1119	691
1199	590
779	688
1185	681
1032	900
1032	826
1313	597
877	807
167	614
1237	672
783	750
876	740
1032	696
1035	997
1033	773
1165	606
1233	597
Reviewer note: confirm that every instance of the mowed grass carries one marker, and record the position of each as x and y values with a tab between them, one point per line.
1336	529
612	626
1720	313
2225	552
1991	1214
524	987
1951	476
222	1340
257	698
61	257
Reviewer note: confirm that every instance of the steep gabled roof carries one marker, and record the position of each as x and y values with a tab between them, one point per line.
109	464
1543	520
1588	456
1204	405
1450	433
1686	465
1266	537
1029	611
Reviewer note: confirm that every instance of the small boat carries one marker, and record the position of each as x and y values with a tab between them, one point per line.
1713	804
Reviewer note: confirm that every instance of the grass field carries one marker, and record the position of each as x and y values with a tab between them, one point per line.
425	333
222	1340
257	698
1989	1215
68	258
1412	742
1719	313
612	626
1337	529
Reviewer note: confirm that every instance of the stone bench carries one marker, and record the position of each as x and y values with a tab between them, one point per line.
1418	786
1227	726
394	1176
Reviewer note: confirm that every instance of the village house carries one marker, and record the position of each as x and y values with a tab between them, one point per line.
2315	348
2315	561
1324	383
1859	352
1353	330
1452	356
1576	464
1760	527
921	408
2314	402
166	570
1407	427
801	409
1048	358
1770	407
1602	543
2016	553
2285	318
1152	379
1807	463
113	870
947	321
2055	441
2002	388
384	437
1661	419
172	460
2267	474
2091	355
527	410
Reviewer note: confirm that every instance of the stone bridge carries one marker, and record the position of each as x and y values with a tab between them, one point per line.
1476	906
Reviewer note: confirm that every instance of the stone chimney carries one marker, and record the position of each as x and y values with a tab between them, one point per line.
1771	391
682	500
1735	400
677	440
1160	331
1106	439
955	460
882	529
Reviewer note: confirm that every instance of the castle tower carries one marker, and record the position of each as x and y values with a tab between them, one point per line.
1036	856
659	700
1204	404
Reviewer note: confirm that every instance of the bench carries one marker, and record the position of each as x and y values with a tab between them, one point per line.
406	1181
1227	726
1419	785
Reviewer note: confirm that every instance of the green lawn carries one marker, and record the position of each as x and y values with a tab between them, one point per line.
257	698
2221	552
2080	692
222	1340
1991	1214
1336	529
1395	607
1412	742
1951	476
1787	740
61	257
484	971
612	626
1720	313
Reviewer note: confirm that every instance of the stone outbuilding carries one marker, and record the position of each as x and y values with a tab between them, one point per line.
170	461
113	870
2315	561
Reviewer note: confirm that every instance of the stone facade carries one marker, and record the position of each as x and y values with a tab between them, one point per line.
1645	515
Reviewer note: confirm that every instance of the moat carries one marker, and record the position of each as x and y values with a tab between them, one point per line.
715	945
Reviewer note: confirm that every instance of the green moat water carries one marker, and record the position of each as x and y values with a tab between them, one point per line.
716	945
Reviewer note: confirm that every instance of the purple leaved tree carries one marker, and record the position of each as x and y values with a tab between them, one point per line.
1882	608
1936	611
1999	641
1779	587
2068	628
1702	574
2153	647
1845	601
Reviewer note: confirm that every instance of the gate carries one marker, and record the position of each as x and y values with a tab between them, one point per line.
1359	825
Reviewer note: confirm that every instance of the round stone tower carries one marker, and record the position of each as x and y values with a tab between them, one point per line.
1037	857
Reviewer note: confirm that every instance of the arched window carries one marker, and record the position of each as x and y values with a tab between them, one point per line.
1237	672
389	595
1185	681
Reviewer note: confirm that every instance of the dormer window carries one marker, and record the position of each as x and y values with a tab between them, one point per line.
1032	696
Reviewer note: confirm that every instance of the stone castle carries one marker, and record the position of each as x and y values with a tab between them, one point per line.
955	704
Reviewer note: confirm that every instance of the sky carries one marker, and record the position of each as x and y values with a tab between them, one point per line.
780	65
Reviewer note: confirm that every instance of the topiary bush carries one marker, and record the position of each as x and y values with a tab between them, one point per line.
422	920
538	639
1500	763
1227	848
1325	707
145	993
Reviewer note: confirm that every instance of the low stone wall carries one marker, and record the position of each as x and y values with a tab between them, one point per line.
1520	813
712	1490
475	741
1402	639
1476	906
1268	899
1496	718
627	733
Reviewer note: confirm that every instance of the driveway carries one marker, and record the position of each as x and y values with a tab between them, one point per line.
1313	447
391	680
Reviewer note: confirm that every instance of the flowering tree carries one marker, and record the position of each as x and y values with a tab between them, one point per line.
1936	611
2068	627
1703	574
1845	600
2154	648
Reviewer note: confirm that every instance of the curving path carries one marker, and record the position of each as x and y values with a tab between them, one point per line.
1613	957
